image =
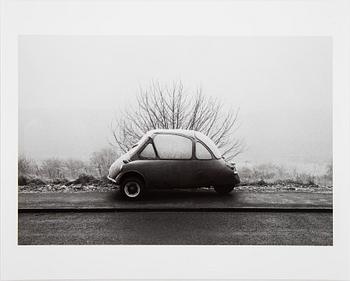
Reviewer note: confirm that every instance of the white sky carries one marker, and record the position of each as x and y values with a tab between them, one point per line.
72	86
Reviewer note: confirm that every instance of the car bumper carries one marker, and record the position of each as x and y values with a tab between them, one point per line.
236	179
112	180
115	180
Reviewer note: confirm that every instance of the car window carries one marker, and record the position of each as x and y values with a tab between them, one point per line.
208	142
148	152
202	152
173	146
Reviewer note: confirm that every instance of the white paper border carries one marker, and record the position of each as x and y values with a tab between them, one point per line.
189	18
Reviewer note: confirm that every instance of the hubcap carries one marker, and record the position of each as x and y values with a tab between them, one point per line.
132	189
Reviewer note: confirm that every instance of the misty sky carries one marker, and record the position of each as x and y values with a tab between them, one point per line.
71	87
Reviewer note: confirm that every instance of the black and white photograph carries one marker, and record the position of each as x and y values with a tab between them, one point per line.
155	140
175	140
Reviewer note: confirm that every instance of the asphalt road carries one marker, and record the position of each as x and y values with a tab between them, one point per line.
176	218
175	228
175	200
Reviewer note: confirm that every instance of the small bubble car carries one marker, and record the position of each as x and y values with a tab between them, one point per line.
165	159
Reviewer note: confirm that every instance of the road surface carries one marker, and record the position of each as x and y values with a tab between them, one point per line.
175	200
176	218
175	228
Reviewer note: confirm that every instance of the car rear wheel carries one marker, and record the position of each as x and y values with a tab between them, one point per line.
224	189
132	188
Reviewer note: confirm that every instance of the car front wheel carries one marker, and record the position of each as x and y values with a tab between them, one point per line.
132	188
223	189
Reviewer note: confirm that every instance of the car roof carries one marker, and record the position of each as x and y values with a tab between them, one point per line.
187	133
195	135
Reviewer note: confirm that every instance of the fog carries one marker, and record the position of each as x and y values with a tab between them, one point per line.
71	87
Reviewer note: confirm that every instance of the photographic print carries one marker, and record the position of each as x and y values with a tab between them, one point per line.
175	140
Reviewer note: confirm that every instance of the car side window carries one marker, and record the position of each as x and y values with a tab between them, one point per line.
202	152
148	152
173	146
209	143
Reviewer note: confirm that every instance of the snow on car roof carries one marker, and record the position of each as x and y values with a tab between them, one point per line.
189	133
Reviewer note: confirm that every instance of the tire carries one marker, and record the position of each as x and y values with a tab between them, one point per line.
132	188
223	190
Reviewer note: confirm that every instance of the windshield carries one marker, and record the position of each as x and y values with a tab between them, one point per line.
136	146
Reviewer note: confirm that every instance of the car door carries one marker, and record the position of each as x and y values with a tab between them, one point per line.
206	169
210	171
174	165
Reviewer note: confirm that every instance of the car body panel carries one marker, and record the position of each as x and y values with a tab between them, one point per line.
163	173
212	172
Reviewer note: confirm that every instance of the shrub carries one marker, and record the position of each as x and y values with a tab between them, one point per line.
72	168
271	174
36	181
52	168
102	160
85	179
27	166
22	180
60	181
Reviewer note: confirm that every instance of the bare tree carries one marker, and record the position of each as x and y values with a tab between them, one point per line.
24	166
162	107
74	168
102	160
52	168
27	166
